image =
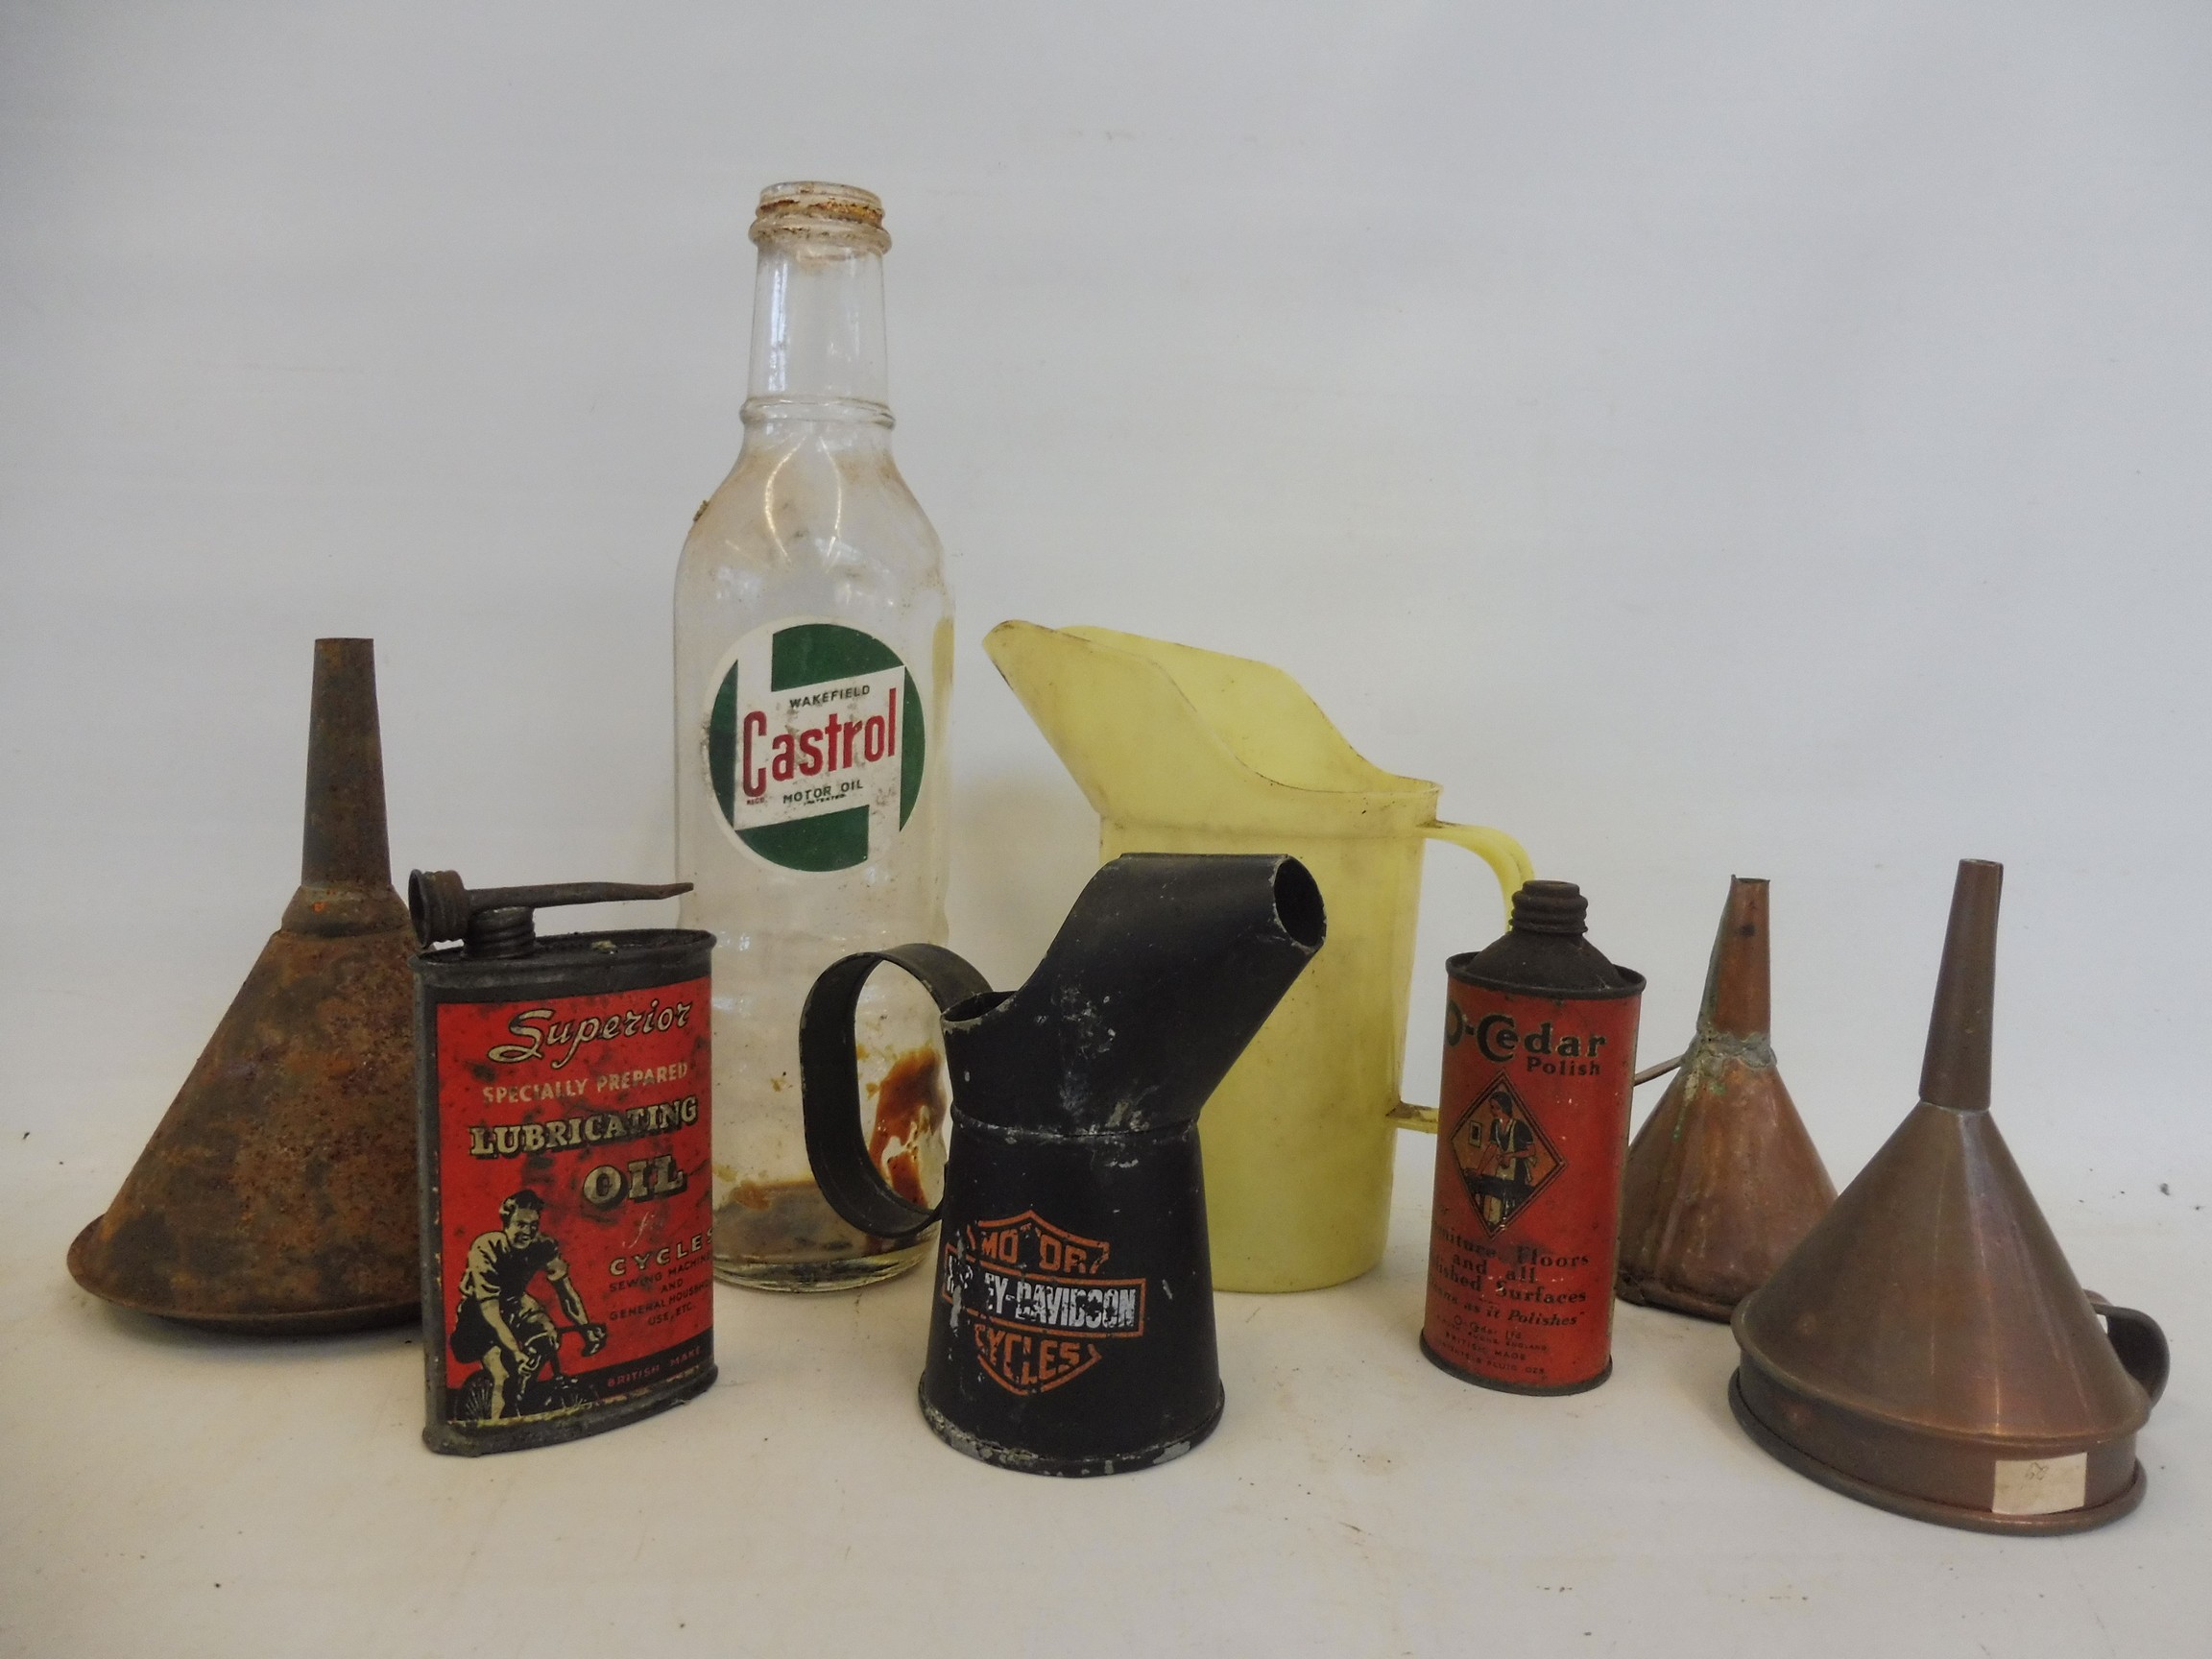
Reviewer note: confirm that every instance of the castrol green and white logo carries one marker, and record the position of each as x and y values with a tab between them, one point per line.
815	742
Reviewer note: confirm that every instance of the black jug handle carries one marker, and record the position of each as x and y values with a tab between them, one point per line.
830	1083
2139	1342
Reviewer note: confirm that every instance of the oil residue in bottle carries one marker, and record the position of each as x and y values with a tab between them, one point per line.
788	1221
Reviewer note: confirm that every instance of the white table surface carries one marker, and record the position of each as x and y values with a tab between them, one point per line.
171	1493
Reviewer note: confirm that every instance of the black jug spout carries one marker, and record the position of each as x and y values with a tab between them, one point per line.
1162	973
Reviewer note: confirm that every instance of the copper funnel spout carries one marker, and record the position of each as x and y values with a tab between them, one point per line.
277	1194
1927	1348
1962	1030
1722	1180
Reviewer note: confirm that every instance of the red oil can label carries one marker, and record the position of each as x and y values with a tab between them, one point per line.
574	1226
1531	1139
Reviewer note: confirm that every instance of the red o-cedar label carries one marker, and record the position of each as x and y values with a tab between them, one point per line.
1530	1140
576	1229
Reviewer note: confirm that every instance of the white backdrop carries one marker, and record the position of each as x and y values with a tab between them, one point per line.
1729	438
1706	439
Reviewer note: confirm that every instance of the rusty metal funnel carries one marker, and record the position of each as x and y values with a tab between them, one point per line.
1722	1181
1927	1349
277	1196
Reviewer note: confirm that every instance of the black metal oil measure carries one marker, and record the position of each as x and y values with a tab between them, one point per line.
567	1232
1071	1332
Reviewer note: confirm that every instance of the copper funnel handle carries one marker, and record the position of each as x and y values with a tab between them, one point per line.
2140	1342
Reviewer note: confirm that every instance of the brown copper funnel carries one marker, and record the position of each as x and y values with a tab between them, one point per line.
1722	1181
277	1196
1927	1349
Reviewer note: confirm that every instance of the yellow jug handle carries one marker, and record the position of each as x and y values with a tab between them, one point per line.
1407	1116
1508	861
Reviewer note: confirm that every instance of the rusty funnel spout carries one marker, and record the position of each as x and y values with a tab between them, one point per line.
1722	1180
277	1194
1927	1348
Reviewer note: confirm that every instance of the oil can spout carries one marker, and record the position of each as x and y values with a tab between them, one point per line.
1163	973
498	920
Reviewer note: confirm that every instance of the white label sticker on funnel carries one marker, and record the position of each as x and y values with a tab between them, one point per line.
2041	1485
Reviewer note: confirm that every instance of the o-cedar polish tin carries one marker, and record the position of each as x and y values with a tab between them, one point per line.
1539	1050
567	1235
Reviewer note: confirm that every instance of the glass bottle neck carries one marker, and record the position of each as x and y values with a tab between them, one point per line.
818	350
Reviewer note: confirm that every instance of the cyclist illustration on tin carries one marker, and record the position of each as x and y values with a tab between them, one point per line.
499	1325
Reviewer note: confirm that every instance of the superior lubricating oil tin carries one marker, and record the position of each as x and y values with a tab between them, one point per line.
568	1234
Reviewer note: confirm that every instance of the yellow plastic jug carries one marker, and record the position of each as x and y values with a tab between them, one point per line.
1188	751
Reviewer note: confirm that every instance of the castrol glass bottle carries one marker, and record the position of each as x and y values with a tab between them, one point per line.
813	672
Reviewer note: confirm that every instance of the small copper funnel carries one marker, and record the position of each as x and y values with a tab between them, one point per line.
277	1196
1722	1181
1927	1349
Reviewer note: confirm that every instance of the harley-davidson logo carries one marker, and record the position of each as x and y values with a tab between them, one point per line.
1036	1300
1504	1159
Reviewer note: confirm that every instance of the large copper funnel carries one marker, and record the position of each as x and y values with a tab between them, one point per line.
277	1196
1927	1349
1722	1181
